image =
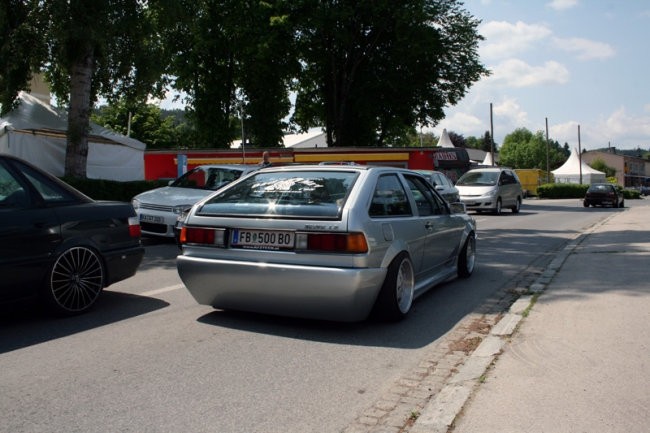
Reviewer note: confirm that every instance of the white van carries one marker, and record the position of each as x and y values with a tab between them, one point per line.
490	190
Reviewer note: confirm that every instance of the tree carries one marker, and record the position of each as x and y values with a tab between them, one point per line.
374	70
457	139
21	44
599	164
144	122
234	61
87	49
523	149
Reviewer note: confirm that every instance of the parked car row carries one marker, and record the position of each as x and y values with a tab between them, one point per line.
332	241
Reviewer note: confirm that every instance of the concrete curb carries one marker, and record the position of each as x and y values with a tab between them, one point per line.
439	414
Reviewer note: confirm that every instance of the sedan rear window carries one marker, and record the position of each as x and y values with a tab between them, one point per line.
300	194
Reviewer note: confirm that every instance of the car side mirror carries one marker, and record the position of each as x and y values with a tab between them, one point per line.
457	207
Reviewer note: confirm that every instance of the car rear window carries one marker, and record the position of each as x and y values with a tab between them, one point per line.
300	194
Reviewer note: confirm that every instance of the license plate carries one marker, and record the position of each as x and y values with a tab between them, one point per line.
262	239
151	218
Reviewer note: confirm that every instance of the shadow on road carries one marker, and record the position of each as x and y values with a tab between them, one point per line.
29	325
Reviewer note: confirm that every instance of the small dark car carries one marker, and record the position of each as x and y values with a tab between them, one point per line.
604	194
58	245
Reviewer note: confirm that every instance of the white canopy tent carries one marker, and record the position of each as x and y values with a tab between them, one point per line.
36	132
444	140
488	159
572	169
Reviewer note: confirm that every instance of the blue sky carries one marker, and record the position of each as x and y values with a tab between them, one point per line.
574	62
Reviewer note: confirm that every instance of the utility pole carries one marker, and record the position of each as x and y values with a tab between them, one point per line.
548	179
491	136
579	155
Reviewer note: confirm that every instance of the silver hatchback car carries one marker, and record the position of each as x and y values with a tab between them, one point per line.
324	242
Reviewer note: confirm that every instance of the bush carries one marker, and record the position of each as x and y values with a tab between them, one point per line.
631	194
562	190
573	190
100	189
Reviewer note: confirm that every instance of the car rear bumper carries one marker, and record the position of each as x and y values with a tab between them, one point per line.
123	263
326	293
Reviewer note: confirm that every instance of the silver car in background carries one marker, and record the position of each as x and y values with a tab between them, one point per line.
324	242
491	190
160	208
442	184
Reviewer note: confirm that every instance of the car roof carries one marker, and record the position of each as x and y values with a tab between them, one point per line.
490	169
317	167
229	166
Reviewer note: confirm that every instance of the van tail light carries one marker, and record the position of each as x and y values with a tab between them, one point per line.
202	236
134	227
349	243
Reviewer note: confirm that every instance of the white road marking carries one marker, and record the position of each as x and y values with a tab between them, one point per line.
163	290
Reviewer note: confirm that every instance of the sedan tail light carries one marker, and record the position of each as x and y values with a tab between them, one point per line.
134	227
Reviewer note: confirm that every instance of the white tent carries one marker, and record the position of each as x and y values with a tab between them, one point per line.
445	141
488	159
572	169
36	132
314	137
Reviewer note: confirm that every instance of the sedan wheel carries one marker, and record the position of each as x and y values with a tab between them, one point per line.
75	281
467	257
396	295
517	206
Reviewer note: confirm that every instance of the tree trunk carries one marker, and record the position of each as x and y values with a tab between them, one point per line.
76	154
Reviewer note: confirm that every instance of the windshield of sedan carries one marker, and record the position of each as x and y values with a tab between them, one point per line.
211	178
478	178
306	194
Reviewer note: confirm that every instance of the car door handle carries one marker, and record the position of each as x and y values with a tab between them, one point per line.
428	226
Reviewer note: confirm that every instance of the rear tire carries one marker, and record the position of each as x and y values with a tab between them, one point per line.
75	281
467	257
517	206
396	295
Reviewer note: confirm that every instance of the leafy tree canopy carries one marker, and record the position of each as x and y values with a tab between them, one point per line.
523	149
374	70
144	122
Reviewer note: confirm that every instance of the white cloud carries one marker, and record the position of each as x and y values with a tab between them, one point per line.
620	124
517	73
561	5
585	48
510	109
504	39
619	129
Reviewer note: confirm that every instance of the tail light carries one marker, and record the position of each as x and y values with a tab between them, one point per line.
203	236
346	243
349	243
134	227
